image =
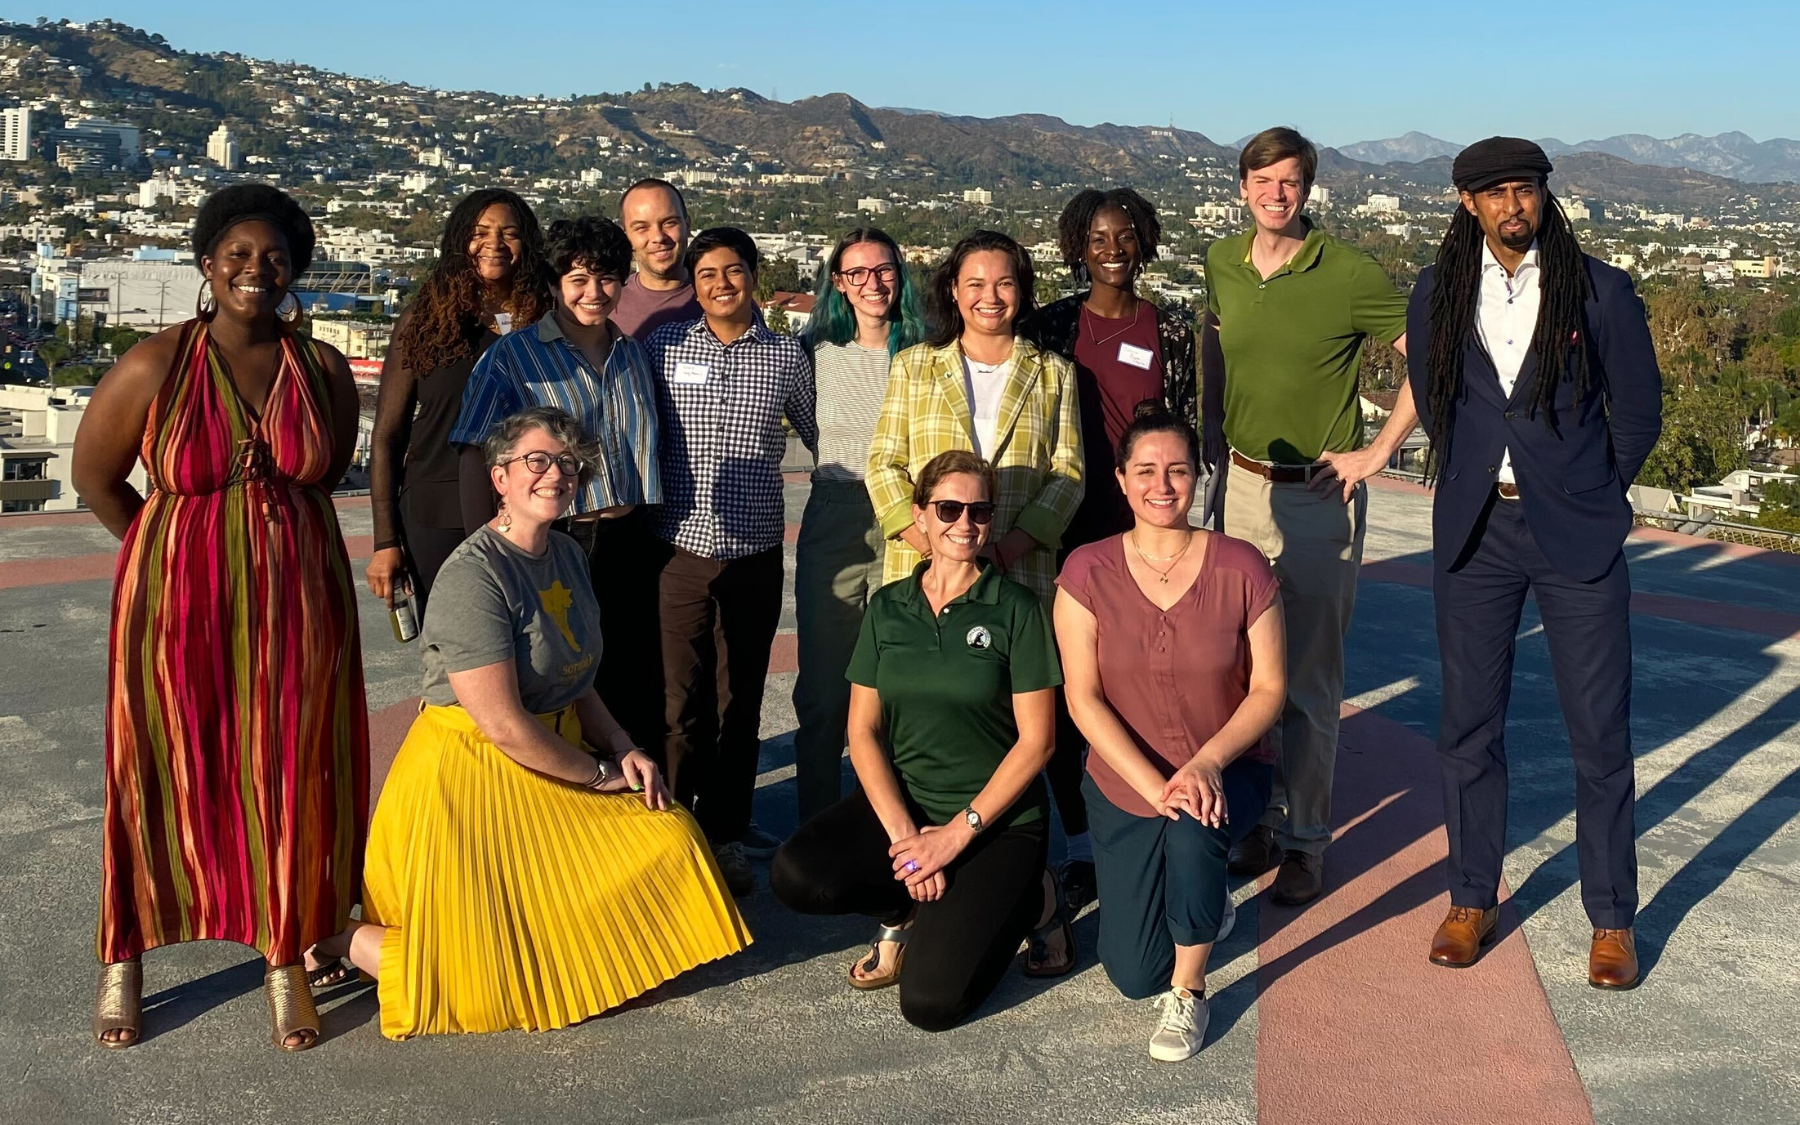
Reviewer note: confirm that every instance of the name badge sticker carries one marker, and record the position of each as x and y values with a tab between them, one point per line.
689	372
502	324
1140	358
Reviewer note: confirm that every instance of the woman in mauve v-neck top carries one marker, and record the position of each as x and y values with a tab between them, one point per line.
1174	667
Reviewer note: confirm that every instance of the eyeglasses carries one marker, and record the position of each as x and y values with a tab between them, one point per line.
981	512
860	276
539	463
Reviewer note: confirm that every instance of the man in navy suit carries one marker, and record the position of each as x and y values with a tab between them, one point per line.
1533	373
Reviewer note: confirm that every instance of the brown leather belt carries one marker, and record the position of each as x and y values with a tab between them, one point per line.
1507	490
1279	474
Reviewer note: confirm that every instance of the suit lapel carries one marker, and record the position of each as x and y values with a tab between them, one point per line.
950	377
1028	363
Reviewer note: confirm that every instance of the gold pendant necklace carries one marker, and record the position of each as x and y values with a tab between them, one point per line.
1174	560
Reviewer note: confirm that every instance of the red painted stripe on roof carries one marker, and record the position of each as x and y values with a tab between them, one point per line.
1353	1023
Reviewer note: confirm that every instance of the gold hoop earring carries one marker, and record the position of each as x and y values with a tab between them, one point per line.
505	518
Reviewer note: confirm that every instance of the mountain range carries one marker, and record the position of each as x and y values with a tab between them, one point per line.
1735	156
182	95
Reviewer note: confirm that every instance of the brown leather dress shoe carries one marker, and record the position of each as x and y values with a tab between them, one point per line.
1462	935
1255	853
1612	960
1301	878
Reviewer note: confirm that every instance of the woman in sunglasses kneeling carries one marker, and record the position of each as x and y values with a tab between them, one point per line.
952	709
526	868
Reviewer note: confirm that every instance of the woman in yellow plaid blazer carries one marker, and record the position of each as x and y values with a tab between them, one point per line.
978	295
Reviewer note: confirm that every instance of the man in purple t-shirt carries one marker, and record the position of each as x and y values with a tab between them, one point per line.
655	219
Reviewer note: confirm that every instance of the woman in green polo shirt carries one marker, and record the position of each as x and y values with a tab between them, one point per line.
952	715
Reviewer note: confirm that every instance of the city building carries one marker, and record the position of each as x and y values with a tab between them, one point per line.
357	339
1382	204
1218	214
37	446
15	134
1759	268
979	196
222	149
874	206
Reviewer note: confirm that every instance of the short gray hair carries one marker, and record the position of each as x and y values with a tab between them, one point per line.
559	424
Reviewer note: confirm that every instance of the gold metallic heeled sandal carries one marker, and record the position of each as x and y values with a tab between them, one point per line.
118	1008
291	1010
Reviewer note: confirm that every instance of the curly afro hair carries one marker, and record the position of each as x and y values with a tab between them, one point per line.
241	203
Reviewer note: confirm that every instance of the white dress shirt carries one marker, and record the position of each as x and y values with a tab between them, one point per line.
1506	319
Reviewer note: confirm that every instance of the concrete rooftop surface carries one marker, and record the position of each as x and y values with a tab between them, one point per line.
1321	1015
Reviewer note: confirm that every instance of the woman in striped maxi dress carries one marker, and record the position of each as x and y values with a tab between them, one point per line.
236	731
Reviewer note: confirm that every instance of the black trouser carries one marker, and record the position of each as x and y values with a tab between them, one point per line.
960	945
718	619
1064	771
426	549
624	558
1162	881
1588	628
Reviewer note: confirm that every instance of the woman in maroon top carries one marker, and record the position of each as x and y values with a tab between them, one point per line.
1172	651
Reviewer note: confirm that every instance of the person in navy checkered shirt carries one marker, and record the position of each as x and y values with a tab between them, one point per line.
724	384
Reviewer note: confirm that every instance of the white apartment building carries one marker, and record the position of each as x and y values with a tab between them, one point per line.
357	339
1382	204
15	134
37	446
874	206
1219	214
980	196
222	149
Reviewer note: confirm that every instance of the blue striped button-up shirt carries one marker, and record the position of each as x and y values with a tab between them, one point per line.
538	366
721	406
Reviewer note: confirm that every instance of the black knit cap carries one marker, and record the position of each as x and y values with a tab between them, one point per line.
242	203
1496	160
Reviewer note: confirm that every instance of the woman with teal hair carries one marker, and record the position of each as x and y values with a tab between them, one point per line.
867	310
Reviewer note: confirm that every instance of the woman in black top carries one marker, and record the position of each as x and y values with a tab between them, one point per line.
489	279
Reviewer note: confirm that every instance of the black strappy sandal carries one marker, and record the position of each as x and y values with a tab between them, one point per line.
1037	946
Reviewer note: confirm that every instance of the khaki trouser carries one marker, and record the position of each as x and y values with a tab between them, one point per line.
1315	543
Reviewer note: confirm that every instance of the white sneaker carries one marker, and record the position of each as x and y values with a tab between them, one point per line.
1226	923
1180	1026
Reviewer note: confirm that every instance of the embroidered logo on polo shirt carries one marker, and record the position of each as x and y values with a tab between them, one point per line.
979	637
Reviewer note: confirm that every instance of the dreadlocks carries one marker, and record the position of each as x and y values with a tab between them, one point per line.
1559	341
447	311
1077	219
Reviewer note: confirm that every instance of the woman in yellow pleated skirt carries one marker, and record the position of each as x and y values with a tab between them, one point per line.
515	878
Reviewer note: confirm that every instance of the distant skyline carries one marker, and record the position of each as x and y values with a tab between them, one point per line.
1342	73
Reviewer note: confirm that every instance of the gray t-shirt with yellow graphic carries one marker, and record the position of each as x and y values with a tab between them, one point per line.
493	602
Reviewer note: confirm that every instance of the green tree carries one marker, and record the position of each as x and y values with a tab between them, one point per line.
52	352
75	375
1779	506
1702	439
776	318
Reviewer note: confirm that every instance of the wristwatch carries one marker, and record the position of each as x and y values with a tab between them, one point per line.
605	769
973	819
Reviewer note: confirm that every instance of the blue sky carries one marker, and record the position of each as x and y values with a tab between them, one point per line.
1342	72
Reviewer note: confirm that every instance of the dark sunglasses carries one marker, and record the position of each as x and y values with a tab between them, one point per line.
981	512
539	463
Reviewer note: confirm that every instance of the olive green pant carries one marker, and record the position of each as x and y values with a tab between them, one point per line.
837	568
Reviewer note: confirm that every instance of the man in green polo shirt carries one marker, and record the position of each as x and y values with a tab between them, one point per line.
1294	306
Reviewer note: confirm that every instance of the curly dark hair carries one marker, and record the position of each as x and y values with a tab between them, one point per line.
589	241
946	318
241	203
445	314
1077	220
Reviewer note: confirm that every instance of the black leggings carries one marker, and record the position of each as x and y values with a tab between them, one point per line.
960	945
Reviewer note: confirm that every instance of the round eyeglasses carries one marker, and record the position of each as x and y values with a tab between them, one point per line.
859	277
539	463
